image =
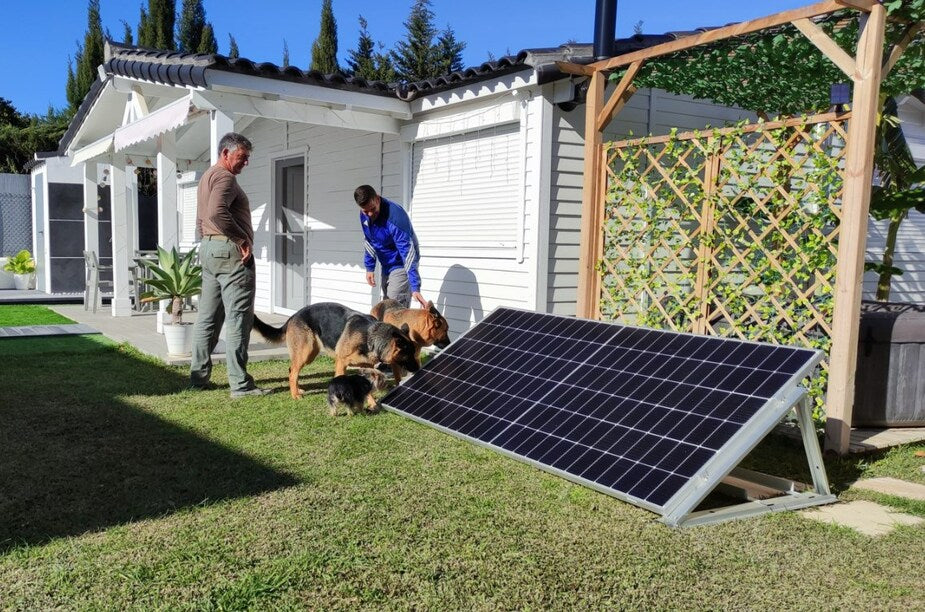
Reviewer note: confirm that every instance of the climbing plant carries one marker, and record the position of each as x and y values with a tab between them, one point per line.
732	232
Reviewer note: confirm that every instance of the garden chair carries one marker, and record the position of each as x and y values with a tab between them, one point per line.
93	298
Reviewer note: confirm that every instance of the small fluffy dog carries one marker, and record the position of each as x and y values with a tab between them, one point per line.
353	390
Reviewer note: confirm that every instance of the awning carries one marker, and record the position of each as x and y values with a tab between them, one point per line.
162	120
103	146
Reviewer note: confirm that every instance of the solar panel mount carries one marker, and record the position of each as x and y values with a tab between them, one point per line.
655	418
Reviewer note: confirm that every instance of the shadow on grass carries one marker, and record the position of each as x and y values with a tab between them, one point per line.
77	458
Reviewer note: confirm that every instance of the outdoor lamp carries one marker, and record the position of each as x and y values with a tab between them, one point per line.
839	95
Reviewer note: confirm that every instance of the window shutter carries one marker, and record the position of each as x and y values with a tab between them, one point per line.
467	191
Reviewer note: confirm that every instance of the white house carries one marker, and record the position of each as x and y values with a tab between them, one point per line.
488	162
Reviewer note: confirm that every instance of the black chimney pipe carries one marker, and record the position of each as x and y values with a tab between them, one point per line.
605	26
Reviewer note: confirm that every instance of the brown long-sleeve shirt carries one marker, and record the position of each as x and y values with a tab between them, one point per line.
223	208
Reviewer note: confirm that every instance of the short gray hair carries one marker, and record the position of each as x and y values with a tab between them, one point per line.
233	140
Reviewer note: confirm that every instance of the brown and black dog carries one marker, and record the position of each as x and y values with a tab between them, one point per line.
351	337
426	326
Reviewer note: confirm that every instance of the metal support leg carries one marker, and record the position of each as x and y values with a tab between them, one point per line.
811	444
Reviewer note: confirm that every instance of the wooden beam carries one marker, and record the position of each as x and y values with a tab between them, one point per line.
852	236
829	47
897	51
619	97
861	5
736	29
751	127
576	69
591	202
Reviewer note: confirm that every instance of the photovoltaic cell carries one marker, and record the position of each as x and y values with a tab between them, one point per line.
632	411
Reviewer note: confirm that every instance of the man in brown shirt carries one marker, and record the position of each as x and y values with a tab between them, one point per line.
223	221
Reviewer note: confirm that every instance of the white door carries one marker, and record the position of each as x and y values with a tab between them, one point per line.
289	236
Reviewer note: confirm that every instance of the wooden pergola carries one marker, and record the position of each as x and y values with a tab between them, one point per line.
866	69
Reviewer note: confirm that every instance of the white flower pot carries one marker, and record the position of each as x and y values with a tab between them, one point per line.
179	339
23	281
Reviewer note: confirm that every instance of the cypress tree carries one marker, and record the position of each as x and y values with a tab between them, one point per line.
155	29
207	43
413	57
324	50
126	33
192	22
73	97
145	35
233	52
88	57
285	54
360	61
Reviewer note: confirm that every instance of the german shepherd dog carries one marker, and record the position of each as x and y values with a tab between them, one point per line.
351	337
354	390
426	325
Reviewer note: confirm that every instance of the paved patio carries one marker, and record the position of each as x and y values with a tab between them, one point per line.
139	330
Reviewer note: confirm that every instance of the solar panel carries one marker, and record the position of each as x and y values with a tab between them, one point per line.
648	416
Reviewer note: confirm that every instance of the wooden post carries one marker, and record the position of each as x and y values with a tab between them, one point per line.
591	200
707	228
859	166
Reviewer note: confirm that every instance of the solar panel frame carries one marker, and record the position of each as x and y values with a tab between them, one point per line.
701	482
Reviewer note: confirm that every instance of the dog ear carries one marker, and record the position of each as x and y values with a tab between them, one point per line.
405	329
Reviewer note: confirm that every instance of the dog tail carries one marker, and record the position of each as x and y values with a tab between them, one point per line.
270	333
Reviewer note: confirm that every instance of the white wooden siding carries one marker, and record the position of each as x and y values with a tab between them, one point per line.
648	111
466	285
910	243
338	161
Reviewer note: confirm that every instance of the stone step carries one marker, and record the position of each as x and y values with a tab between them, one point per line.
864	516
892	486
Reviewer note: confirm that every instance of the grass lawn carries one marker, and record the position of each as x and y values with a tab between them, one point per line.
121	490
15	315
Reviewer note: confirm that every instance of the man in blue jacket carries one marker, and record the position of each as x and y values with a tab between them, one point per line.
390	239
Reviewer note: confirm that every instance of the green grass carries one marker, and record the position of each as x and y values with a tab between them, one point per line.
13	315
121	490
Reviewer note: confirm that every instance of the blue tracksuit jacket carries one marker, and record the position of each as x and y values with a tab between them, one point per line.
391	240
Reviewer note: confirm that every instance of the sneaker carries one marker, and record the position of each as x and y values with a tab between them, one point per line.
249	392
208	386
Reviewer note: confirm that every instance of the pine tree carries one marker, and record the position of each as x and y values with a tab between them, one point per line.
285	54
192	22
233	52
360	61
324	50
207	43
448	52
413	57
126	33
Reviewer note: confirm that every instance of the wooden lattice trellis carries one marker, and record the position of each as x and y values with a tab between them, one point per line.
731	232
865	67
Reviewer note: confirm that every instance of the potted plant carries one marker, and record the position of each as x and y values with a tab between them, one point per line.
22	266
176	278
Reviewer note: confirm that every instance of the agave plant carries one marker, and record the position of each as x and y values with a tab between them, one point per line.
174	277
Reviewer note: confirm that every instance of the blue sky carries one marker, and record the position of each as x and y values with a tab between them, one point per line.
37	42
